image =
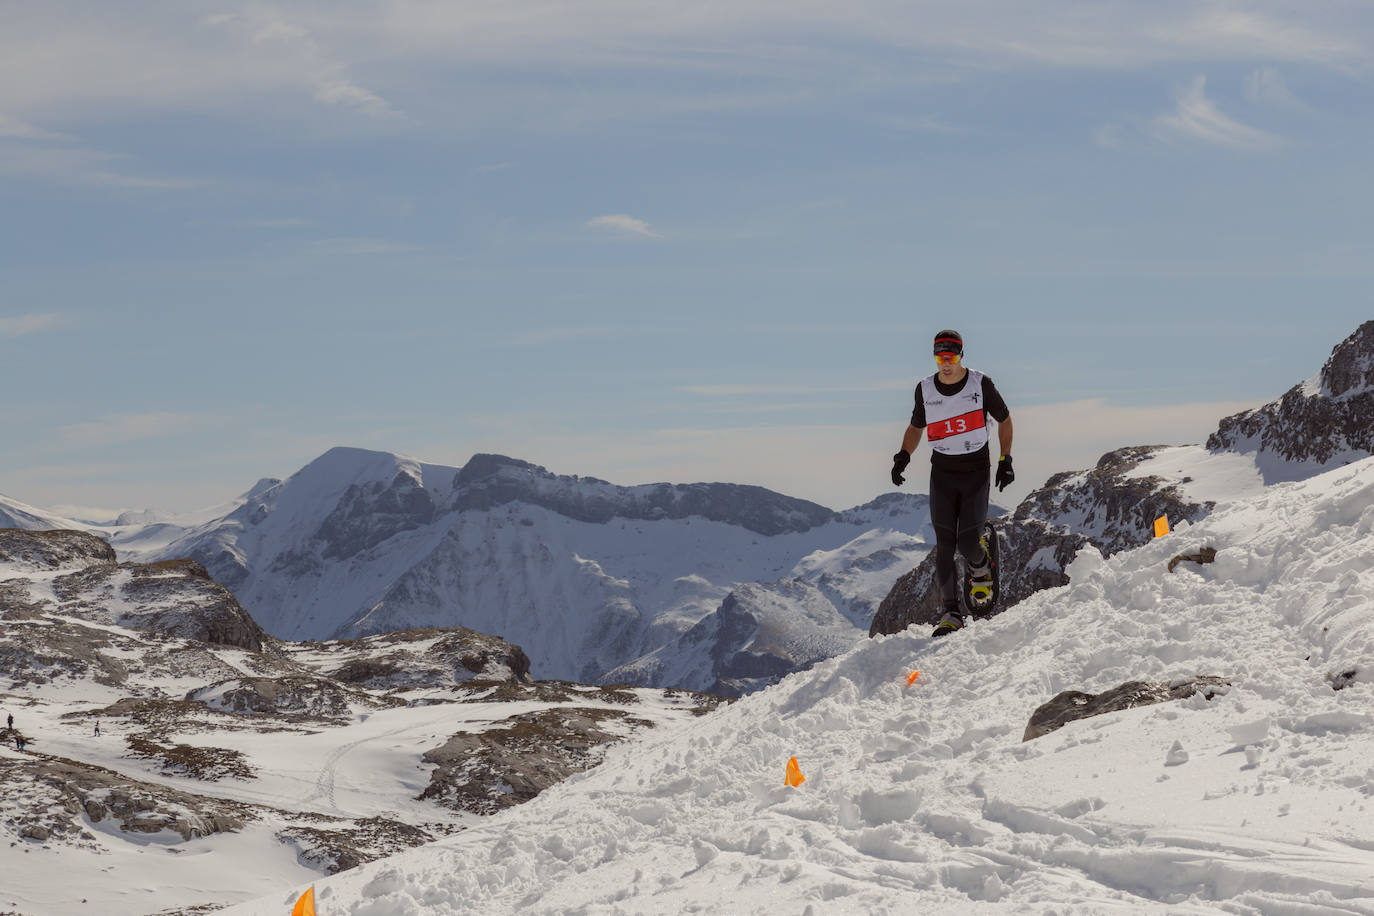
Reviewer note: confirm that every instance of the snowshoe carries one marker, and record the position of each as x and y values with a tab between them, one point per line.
950	622
981	592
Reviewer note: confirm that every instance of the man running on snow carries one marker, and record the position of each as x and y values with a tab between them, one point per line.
952	407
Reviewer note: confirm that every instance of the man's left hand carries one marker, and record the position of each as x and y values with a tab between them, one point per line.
1005	475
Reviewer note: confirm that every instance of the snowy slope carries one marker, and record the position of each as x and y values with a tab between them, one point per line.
14	514
924	798
585	576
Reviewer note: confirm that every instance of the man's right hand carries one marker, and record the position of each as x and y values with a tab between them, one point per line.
899	463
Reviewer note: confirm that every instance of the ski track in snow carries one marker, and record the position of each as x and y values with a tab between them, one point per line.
925	798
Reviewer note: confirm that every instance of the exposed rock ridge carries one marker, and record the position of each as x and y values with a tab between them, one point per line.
1323	422
487	481
171	598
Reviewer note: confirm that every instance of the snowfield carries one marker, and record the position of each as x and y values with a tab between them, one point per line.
925	799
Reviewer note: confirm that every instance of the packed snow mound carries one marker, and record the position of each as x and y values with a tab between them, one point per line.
921	796
1324	422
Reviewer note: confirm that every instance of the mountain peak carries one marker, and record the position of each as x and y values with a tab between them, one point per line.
1351	366
1321	423
484	465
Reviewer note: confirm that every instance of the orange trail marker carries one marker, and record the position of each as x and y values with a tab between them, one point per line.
1161	526
306	905
911	678
794	776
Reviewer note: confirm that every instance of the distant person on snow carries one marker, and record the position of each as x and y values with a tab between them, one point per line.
952	407
18	742
10	724
97	728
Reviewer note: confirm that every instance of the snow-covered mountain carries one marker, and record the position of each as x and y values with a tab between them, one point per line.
1325	422
158	721
14	514
925	794
596	582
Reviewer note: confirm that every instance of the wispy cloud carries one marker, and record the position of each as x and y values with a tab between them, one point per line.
295	53
623	224
1267	86
129	427
76	166
332	87
13	128
494	167
36	323
1196	117
1110	136
142	59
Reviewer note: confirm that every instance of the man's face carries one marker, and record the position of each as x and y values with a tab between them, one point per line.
949	364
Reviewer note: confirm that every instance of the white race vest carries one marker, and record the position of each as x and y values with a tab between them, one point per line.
955	424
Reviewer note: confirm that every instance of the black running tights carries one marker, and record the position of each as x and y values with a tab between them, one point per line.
958	508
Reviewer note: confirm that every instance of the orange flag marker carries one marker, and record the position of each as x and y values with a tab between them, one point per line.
1161	526
911	678
794	776
306	905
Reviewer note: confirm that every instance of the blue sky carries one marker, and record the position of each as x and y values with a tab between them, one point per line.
659	241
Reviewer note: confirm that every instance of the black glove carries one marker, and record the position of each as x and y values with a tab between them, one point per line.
899	463
1005	475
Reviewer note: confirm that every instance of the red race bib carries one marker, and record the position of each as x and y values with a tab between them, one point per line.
955	426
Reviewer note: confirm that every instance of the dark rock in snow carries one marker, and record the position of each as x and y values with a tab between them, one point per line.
501	767
1071	705
1200	557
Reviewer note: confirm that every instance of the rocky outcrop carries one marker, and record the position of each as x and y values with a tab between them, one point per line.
339	846
1108	506
1322	423
63	801
369	514
295	698
172	598
57	793
424	658
493	480
26	550
1072	705
500	767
